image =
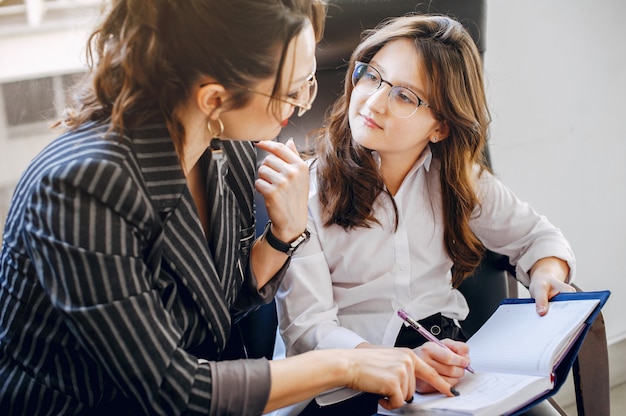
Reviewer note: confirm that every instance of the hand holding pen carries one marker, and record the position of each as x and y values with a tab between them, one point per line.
425	333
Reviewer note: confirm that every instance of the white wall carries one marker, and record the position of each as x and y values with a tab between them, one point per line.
556	79
35	54
42	53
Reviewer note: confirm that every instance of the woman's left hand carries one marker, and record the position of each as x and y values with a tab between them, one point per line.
284	183
547	279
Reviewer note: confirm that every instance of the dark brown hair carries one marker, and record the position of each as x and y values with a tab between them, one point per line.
348	177
146	56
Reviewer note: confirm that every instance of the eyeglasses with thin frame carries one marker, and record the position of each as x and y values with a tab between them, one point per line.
402	101
302	99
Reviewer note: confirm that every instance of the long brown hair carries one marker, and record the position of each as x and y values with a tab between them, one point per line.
146	56
348	177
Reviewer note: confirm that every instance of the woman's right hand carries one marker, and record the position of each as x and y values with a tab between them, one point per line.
450	364
392	373
283	180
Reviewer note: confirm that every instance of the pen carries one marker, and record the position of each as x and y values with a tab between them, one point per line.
419	328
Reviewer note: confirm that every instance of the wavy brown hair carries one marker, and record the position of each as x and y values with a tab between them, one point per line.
348	177
146	56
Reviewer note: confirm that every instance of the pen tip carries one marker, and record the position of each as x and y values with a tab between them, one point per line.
402	314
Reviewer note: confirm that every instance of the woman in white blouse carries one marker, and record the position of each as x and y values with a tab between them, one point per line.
402	205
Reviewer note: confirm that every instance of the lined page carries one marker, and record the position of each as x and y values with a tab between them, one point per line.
516	339
488	393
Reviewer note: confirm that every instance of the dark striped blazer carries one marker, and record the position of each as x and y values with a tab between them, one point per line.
110	297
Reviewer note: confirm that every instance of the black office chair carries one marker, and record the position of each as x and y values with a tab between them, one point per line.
493	279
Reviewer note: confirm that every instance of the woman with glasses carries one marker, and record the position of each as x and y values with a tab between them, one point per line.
129	247
402	206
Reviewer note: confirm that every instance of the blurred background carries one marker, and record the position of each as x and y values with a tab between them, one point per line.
556	82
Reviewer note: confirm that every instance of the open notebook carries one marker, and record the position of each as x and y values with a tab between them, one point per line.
520	358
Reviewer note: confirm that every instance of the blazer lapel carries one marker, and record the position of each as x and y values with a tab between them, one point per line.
185	247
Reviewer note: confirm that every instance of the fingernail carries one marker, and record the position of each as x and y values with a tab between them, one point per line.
541	309
454	391
410	400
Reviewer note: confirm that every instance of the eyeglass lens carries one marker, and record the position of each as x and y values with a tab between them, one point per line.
308	94
402	101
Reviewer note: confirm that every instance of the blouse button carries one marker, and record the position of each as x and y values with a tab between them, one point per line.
435	330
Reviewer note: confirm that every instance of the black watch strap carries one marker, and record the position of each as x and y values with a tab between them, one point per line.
287	248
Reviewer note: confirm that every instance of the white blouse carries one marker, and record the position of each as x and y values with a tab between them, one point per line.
344	287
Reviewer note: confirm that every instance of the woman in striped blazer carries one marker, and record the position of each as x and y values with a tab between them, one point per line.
128	250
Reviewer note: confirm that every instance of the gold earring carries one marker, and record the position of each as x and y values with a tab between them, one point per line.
221	126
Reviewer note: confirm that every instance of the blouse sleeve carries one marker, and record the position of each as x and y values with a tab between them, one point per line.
509	226
251	296
306	307
240	387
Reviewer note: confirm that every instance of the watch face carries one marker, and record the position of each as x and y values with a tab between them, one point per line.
287	248
303	238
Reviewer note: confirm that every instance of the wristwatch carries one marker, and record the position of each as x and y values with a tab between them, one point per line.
287	248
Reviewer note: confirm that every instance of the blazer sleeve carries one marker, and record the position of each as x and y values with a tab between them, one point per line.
91	227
